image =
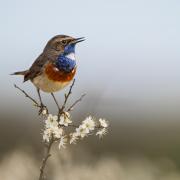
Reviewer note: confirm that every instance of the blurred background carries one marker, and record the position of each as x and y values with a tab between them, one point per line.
129	68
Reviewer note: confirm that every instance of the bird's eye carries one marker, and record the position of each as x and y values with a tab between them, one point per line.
64	42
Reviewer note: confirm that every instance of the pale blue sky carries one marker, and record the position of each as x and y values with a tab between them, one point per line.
132	51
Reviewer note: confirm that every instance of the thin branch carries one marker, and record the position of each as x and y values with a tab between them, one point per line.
74	104
76	126
66	97
44	161
33	100
61	110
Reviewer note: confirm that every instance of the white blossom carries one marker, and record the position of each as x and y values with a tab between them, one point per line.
82	130
53	128
103	123
47	134
73	138
65	119
51	121
89	123
57	132
101	132
62	142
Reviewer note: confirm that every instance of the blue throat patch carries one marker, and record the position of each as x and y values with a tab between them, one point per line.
69	49
65	63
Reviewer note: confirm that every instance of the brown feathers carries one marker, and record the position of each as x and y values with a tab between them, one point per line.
55	74
20	73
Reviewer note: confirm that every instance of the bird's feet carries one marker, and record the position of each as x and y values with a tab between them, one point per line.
43	109
60	113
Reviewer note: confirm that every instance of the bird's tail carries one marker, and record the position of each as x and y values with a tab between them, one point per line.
20	73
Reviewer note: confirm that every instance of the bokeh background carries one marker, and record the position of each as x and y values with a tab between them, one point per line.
129	68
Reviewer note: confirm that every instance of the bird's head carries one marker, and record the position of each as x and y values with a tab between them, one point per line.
62	44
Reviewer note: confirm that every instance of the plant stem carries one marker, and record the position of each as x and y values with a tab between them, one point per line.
66	97
44	161
32	99
61	110
77	101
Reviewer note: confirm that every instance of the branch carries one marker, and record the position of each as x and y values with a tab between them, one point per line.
61	110
44	161
74	104
66	98
32	99
76	126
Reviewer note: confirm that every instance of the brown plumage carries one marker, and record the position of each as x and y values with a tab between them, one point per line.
61	76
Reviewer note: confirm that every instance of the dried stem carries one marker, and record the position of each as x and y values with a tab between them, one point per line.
32	99
76	126
44	161
61	110
66	97
74	104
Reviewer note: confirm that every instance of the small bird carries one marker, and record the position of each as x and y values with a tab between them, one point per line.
55	67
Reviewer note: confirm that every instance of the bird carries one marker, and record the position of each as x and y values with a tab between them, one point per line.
54	68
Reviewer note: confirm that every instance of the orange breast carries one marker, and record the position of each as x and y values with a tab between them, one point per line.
55	74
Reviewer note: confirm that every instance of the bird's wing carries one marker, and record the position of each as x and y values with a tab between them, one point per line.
37	67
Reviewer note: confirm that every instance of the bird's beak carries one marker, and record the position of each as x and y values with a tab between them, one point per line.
78	40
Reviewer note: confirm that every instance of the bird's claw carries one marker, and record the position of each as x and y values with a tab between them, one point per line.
60	112
43	110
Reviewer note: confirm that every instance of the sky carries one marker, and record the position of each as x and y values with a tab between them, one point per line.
131	54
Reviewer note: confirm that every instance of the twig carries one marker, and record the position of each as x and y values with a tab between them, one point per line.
47	155
44	161
76	126
77	101
61	110
66	98
33	100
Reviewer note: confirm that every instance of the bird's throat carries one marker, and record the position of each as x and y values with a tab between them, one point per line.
71	56
66	62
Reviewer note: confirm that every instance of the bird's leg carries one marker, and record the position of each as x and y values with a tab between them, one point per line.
42	106
59	109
